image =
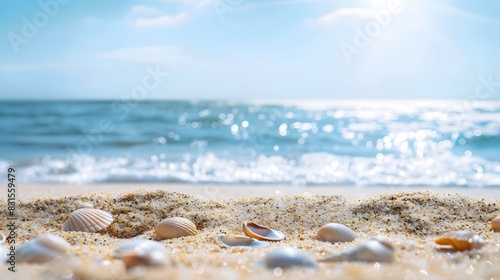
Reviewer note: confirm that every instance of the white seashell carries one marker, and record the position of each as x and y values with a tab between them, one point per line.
288	257
375	249
262	233
495	223
461	240
142	252
2	237
334	232
231	240
42	249
175	227
87	219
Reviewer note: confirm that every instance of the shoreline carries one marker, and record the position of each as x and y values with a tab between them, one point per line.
31	191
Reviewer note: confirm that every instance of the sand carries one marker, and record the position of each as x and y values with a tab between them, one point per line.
411	220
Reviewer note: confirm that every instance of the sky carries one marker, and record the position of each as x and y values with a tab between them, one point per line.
250	49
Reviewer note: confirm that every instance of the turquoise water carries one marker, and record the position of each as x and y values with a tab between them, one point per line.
450	143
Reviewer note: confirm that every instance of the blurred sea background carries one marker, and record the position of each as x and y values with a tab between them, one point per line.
358	143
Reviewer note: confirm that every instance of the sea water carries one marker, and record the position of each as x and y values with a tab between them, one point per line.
389	143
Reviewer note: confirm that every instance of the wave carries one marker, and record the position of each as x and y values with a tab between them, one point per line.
306	169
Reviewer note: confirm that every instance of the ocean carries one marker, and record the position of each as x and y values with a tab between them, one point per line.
362	143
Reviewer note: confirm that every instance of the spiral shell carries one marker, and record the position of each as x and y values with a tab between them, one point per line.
262	233
334	232
42	249
87	219
142	252
375	249
461	240
175	227
495	223
231	240
289	257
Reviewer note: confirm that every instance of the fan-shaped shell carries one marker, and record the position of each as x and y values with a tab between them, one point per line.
375	249
261	232
289	257
142	252
334	232
231	240
42	249
175	227
87	219
461	240
495	223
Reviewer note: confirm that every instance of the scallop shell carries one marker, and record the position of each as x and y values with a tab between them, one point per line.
334	232
262	233
289	257
231	240
142	252
175	227
87	219
495	223
375	249
461	240
42	249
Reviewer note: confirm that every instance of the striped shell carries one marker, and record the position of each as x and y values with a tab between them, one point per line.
334	232
87	219
375	249
262	233
175	227
142	252
495	223
461	240
231	240
289	257
42	249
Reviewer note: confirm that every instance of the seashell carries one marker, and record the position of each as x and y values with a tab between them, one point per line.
262	233
2	237
334	232
87	219
142	252
461	240
231	240
495	223
289	257
175	227
375	249
42	249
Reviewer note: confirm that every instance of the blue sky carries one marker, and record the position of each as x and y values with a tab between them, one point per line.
250	49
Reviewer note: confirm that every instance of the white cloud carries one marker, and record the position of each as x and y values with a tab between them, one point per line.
164	54
339	14
164	20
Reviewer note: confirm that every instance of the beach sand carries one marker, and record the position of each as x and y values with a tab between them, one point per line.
410	217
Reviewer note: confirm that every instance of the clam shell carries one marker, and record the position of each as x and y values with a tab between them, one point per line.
262	233
175	227
231	240
142	252
461	240
375	249
289	257
334	232
87	219
495	223
42	249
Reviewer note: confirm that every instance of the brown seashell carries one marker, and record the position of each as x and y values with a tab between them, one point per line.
333	232
87	219
142	252
495	223
175	227
262	233
461	240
